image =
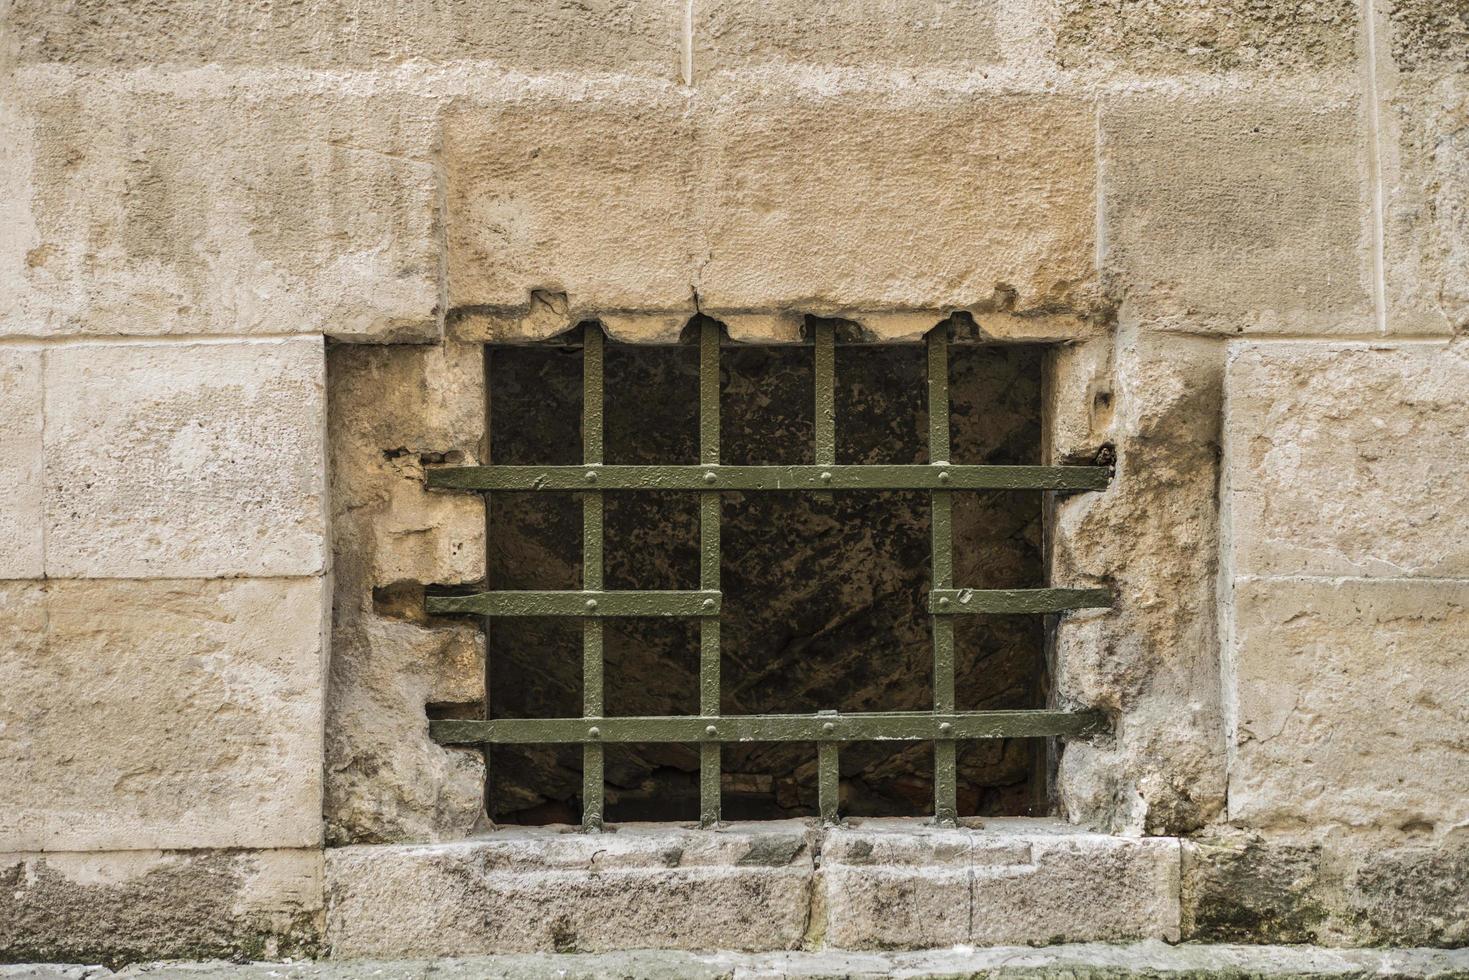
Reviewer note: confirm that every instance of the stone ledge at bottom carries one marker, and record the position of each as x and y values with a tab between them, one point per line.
1097	961
891	884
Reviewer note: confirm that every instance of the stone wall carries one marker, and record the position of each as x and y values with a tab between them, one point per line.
249	254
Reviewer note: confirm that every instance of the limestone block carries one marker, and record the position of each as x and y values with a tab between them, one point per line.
127	906
837	199
1016	882
734	34
1339	890
397	410
1351	706
542	890
1232	214
1349	459
394	407
204	207
625	36
162	714
1426	208
1428	35
386	780
572	188
20	463
1176	36
185	459
1153	538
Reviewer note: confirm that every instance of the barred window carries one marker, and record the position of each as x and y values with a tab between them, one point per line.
809	579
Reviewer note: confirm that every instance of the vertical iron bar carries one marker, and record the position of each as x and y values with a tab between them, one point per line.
592	754
945	775
828	781
709	518
828	754
826	412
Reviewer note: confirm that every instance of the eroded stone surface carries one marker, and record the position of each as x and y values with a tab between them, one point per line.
1152	536
905	887
575	189
220	209
1426	207
394	410
730	34
1098	961
1170	36
185	460
1349	890
163	714
1322	479
1237	214
20	464
945	218
638	36
519	891
1429	34
1350	706
122	906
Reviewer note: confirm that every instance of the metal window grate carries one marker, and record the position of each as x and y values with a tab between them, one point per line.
944	726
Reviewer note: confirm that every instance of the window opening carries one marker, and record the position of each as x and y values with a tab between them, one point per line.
589	608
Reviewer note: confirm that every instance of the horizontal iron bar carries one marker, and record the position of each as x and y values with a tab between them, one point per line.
948	602
578	603
910	726
894	477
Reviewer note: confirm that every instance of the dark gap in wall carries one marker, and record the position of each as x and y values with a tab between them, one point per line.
824	597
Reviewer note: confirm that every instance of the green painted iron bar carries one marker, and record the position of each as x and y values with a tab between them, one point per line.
951	602
828	781
826	411
896	476
592	604
710	503
593	760
906	726
945	751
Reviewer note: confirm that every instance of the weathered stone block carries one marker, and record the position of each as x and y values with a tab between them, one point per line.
1349	460
1246	890
185	460
394	410
1351	708
1236	215
20	463
221	208
734	34
1177	36
1017	881
1426	208
572	188
1153	538
1428	35
650	887
1351	890
126	906
166	714
833	200
625	36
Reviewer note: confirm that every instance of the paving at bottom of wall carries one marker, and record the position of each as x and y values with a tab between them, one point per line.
1092	961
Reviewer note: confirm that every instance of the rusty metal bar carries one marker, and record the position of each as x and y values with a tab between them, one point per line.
822	727
944	602
591	604
895	476
592	536
945	753
710	503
